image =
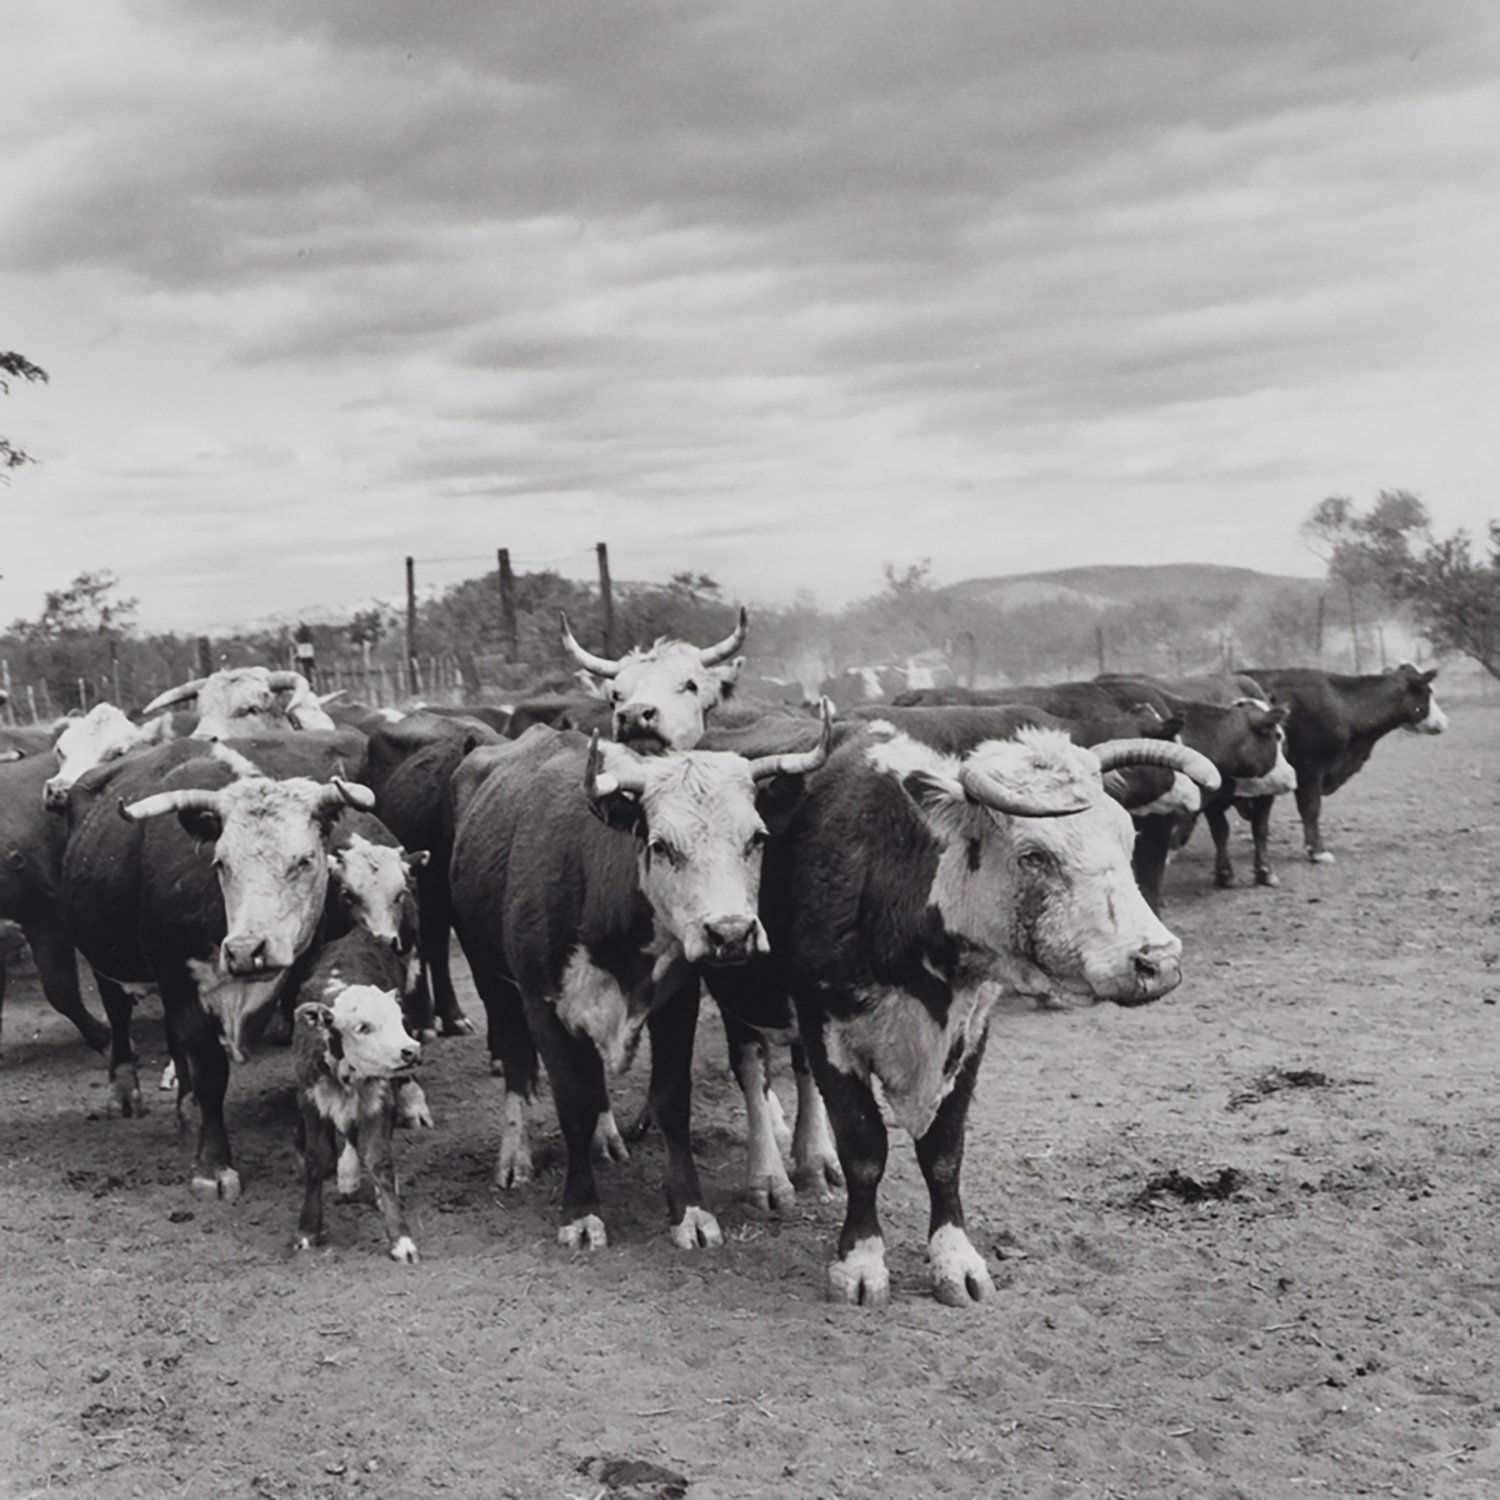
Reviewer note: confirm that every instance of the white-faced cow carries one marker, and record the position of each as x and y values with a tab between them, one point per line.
581	875
660	696
916	890
103	734
210	891
239	701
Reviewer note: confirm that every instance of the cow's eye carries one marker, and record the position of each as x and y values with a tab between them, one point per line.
690	686
758	839
1038	861
659	848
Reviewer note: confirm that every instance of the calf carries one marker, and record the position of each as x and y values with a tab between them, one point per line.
348	1056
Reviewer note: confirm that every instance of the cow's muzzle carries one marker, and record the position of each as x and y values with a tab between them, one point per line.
252	957
638	726
55	795
725	941
1155	970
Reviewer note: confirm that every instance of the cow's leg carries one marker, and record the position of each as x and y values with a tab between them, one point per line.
1258	809
766	1182
859	1275
815	1157
200	1046
1152	838
124	1080
959	1274
319	1158
1217	818
57	969
380	1162
577	1074
435	925
1309	795
673	1025
513	1058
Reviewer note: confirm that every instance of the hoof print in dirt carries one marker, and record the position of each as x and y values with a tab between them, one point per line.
1225	1183
635	1478
1274	1080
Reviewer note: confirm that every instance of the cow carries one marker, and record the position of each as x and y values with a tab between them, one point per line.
103	734
31	858
660	696
1334	723
582	873
189	871
913	891
411	764
350	1057
238	701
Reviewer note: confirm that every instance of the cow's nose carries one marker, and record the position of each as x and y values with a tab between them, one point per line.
411	1054
54	795
729	934
1158	968
245	955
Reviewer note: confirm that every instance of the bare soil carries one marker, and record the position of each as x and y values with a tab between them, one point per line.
1246	1243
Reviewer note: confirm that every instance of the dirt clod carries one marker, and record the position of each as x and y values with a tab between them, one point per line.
1224	1184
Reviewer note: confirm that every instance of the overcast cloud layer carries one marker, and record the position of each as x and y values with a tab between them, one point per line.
777	291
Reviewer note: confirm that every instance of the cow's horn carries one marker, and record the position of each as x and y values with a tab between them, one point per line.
339	793
184	694
988	791
287	682
186	799
600	666
798	762
1176	757
597	782
712	655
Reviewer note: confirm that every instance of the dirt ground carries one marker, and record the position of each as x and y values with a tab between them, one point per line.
1323	1321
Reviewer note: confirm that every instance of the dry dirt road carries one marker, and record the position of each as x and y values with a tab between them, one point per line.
1322	1322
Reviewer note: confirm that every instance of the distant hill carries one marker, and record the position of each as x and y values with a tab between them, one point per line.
1106	585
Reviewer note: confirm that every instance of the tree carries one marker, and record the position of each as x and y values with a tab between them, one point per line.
15	366
88	606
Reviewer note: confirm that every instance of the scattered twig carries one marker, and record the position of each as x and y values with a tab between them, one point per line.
1094	1405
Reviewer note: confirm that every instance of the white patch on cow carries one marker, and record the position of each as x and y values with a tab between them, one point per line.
698	1230
238	764
168	1078
815	1156
411	1107
339	1105
1435	722
766	1182
404	1250
1181	799
372	1034
586	1233
895	1037
870	680
232	1001
900	755
348	1171
1280	779
390	715
959	1274
779	1127
591	1003
513	1164
861	1278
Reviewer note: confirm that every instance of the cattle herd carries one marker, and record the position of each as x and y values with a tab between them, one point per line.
859	886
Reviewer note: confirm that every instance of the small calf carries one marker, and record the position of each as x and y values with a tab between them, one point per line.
349	1057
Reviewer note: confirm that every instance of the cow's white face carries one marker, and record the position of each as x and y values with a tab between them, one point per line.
1055	894
1423	716
238	701
700	839
373	1041
374	885
1268	725
103	734
661	697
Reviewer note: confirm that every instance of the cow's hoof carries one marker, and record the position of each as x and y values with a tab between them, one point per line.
308	1241
1223	879
772	1195
959	1274
609	1144
224	1185
168	1078
497	1068
404	1251
822	1177
861	1278
586	1233
426	1034
697	1230
513	1166
126	1099
96	1035
456	1026
1321	857
1267	877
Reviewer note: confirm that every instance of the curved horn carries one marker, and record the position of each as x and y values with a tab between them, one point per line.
986	790
340	793
287	682
798	762
12	753
597	782
600	666
1175	757
186	799
711	656
183	694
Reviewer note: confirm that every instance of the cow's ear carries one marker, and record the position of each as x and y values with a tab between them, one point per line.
1279	714
940	800
621	811
418	859
1429	676
728	675
776	799
204	825
1165	729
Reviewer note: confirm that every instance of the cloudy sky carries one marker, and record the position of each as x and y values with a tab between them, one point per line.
780	291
